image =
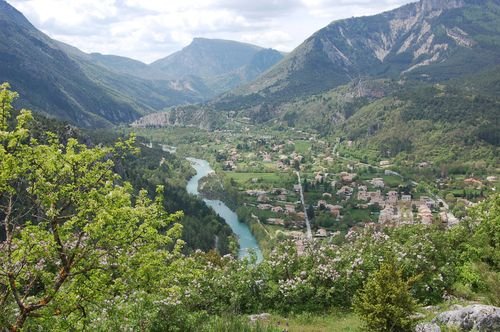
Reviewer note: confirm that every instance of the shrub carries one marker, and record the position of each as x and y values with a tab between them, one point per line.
385	302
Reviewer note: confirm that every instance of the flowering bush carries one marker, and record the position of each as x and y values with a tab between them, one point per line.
325	275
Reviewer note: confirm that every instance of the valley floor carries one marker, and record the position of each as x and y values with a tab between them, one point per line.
344	186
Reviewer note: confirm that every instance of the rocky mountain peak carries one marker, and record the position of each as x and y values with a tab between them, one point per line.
428	6
419	39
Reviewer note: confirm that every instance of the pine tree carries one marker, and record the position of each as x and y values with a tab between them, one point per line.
385	303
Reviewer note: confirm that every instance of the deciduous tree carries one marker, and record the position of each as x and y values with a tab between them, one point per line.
73	233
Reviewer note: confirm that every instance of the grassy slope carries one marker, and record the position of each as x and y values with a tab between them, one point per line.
335	322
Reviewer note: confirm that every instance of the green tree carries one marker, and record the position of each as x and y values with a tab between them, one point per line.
485	242
385	302
481	269
73	234
310	211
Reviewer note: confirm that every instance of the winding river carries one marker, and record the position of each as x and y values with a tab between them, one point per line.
246	239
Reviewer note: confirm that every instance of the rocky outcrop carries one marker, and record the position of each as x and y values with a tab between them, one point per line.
409	41
188	116
427	327
476	317
259	317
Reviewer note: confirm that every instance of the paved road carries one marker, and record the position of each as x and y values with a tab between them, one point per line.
308	225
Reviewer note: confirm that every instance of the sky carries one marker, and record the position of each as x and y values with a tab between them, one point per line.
148	30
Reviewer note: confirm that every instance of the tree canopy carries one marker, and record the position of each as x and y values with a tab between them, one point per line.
73	234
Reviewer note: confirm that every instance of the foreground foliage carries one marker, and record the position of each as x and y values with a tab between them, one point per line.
326	276
73	235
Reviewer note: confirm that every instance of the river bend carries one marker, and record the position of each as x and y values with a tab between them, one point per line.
246	239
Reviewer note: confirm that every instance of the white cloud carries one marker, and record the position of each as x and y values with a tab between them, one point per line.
151	29
336	9
274	39
68	13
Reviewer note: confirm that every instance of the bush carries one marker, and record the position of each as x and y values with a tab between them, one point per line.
385	302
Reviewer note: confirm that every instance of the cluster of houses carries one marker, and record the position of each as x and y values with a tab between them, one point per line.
280	206
395	207
284	162
230	163
478	183
333	209
269	154
393	203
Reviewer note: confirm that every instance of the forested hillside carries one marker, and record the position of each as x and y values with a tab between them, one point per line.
451	122
147	169
201	228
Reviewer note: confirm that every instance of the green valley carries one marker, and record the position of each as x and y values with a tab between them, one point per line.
351	184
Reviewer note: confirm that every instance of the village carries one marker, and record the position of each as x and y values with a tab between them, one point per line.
372	199
339	194
341	190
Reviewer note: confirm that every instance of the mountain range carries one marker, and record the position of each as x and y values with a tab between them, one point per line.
429	40
421	80
430	67
95	90
222	64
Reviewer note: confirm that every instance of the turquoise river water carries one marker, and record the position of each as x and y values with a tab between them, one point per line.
246	239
